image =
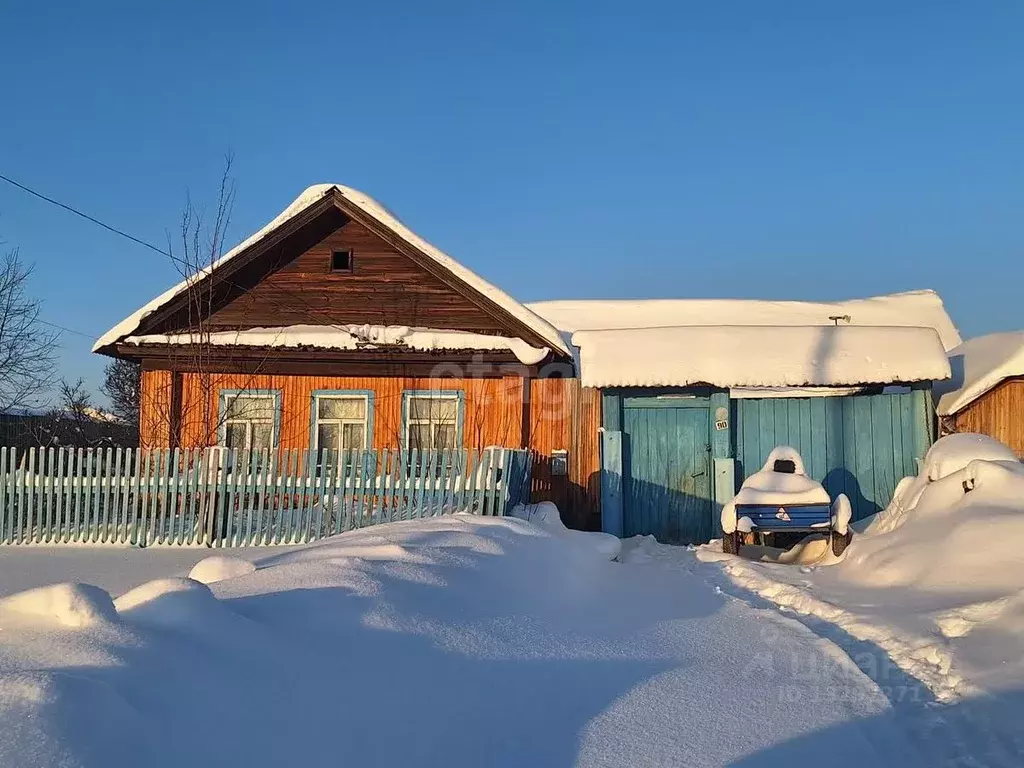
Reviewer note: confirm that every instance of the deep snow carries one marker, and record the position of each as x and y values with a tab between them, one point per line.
115	568
460	641
759	356
923	309
936	580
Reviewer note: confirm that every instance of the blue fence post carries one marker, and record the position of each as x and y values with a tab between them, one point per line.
517	483
611	482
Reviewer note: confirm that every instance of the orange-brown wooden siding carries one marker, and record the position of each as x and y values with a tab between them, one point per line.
492	416
155	409
998	413
562	415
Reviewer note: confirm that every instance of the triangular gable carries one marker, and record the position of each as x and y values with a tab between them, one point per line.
314	204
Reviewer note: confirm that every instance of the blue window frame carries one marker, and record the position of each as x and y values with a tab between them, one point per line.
433	419
249	419
341	420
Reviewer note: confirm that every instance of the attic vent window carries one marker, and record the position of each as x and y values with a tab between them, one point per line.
341	261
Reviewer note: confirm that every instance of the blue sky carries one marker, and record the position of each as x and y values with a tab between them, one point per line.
574	149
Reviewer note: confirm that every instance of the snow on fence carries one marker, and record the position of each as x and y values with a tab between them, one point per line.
225	497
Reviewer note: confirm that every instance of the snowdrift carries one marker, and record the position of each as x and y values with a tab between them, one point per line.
962	532
69	605
936	580
488	641
217	568
545	514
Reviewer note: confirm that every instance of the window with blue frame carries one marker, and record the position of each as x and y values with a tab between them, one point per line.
342	420
250	419
432	421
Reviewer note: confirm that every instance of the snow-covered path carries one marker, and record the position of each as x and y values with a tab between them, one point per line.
455	641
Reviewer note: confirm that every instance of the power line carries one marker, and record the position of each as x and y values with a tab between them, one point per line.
85	216
299	299
65	328
168	253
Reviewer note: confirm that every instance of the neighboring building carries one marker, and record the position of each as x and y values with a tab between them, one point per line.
336	326
986	391
53	428
696	393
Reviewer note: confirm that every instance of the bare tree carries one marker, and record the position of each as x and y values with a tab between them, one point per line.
72	421
76	403
27	347
202	245
195	250
122	385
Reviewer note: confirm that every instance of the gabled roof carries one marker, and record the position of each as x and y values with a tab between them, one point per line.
759	356
375	216
914	308
979	365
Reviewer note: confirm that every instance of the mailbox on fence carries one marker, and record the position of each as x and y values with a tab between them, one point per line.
559	462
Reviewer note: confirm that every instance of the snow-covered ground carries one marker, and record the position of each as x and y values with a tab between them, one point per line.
931	590
470	641
937	579
459	641
115	569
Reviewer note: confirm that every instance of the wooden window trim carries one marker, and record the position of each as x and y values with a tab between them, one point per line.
458	395
227	395
314	413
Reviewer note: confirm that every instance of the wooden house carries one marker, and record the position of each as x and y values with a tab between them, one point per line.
336	326
986	390
696	393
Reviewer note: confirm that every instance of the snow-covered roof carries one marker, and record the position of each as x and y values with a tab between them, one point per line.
354	337
914	308
382	216
759	356
978	365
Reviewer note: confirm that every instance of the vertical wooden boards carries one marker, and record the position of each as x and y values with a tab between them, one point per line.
861	445
884	451
724	484
666	458
998	413
228	498
834	477
611	483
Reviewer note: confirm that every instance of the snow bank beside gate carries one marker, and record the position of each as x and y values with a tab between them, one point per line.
964	533
936	580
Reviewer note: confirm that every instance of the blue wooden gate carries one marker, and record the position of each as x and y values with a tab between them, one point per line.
666	468
860	445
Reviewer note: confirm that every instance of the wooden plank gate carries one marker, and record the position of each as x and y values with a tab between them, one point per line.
860	445
666	468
